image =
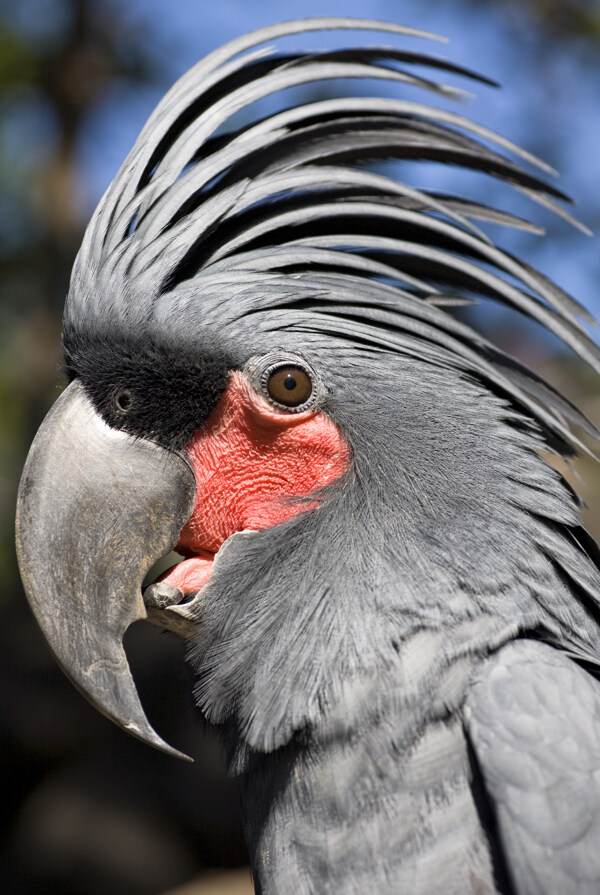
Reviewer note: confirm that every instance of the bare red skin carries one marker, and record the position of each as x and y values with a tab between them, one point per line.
249	459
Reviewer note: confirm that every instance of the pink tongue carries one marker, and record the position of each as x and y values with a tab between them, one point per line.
189	575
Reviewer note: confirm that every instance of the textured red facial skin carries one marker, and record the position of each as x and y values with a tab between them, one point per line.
249	459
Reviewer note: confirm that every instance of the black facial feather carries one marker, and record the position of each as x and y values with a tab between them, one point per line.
209	217
146	389
232	236
336	650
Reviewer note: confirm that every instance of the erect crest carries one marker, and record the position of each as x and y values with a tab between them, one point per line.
278	212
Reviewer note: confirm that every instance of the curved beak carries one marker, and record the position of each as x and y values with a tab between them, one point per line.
96	509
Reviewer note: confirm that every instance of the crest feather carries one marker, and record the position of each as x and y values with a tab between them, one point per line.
213	192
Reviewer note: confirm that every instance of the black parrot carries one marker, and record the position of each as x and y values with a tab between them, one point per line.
390	602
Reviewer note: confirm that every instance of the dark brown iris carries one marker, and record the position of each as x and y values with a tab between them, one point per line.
289	386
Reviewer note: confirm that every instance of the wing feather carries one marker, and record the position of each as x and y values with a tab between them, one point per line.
533	718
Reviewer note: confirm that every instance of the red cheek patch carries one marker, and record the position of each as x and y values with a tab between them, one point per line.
250	462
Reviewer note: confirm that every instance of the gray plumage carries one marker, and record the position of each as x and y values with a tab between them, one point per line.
337	651
533	717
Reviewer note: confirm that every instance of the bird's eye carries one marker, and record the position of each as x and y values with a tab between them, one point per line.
123	400
290	386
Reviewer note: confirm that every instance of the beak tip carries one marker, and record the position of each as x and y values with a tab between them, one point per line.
96	509
149	736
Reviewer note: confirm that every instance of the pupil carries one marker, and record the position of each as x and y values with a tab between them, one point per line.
289	382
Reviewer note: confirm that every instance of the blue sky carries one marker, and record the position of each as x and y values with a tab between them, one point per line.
538	104
549	105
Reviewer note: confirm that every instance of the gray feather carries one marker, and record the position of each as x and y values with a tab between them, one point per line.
533	717
190	196
346	637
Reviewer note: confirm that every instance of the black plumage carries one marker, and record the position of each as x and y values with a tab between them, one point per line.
337	650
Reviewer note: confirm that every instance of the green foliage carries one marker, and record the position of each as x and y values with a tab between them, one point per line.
18	63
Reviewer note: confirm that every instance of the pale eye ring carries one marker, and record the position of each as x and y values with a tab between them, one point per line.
287	381
289	385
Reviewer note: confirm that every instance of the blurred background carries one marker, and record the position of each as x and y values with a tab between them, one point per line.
85	809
